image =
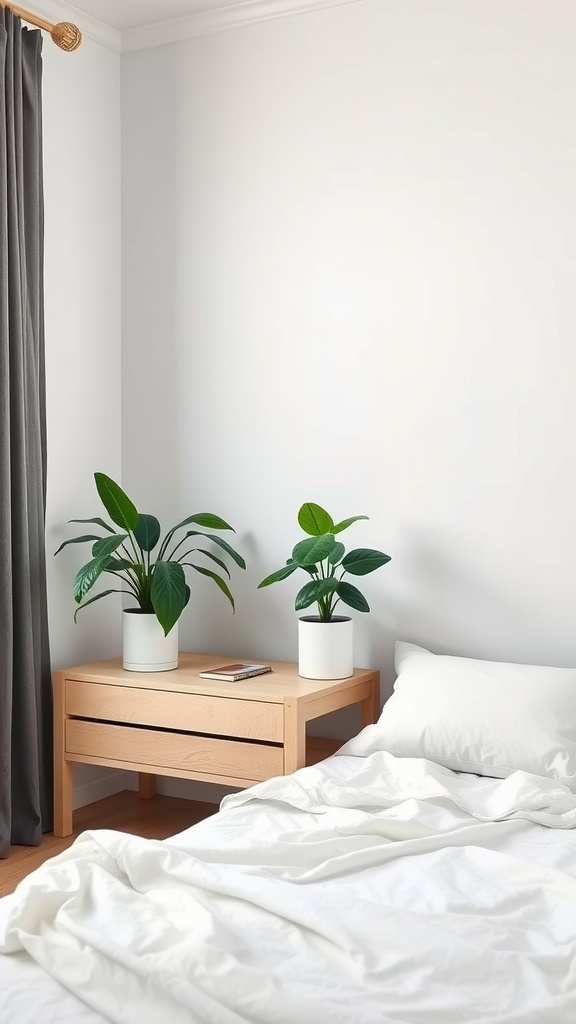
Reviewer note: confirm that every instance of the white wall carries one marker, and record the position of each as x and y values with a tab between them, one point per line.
349	278
81	101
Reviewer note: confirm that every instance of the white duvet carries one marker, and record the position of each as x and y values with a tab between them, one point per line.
365	890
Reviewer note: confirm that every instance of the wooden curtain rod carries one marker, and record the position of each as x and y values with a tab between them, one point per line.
64	34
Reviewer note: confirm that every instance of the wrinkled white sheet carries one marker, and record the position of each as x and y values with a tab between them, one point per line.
365	890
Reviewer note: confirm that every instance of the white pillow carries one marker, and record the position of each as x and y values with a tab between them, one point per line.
484	717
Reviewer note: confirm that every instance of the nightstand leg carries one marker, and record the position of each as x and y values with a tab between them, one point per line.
146	785
63	813
294	737
370	708
63	769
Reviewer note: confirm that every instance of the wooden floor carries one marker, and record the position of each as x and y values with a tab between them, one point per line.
158	818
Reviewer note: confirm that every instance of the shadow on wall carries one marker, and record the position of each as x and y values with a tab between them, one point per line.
451	607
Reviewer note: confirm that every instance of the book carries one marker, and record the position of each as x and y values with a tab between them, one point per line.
232	673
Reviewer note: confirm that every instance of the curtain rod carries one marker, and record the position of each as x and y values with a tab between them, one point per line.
64	34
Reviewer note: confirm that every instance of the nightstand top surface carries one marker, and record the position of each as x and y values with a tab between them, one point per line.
283	681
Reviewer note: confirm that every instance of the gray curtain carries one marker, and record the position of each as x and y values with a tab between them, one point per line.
25	681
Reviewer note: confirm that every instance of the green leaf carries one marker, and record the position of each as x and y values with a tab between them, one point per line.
361	561
210	521
314	591
207	519
223	544
108	545
217	580
118	564
147	532
214	558
117	504
97	598
97	521
168	593
336	553
86	576
352	597
280	574
78	540
315	520
346	523
312	551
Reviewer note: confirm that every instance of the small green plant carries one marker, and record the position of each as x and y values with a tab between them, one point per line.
158	584
325	560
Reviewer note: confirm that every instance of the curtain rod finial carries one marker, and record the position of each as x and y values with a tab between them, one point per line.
66	36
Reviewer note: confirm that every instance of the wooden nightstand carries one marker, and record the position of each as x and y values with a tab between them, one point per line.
174	723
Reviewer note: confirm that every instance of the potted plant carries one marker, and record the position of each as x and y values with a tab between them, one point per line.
151	569
325	640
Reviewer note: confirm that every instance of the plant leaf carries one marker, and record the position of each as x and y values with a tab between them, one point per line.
118	564
207	519
117	504
86	576
280	574
364	560
97	598
78	540
313	550
147	532
346	523
108	545
217	580
214	558
315	520
352	597
96	520
210	521
168	593
336	553
221	544
313	591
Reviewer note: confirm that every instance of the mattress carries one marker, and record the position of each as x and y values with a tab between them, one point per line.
363	890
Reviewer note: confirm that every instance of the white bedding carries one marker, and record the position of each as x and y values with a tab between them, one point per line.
364	890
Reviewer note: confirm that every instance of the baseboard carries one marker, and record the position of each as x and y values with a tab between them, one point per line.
97	789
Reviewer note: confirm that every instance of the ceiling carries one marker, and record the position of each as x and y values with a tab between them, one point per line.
130	14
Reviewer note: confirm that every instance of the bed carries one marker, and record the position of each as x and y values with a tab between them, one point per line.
381	886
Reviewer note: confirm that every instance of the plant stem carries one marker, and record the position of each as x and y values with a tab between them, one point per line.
170	557
135	547
126	580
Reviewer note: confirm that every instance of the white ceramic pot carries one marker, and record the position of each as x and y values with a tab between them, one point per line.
325	649
144	646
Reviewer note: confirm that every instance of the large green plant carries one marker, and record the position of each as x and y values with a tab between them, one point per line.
325	560
157	582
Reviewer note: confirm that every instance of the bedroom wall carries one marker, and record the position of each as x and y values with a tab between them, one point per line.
82	281
348	278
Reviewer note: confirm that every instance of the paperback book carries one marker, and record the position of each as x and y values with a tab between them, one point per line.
233	673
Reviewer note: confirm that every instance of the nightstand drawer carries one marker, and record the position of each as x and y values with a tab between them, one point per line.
145	749
194	712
